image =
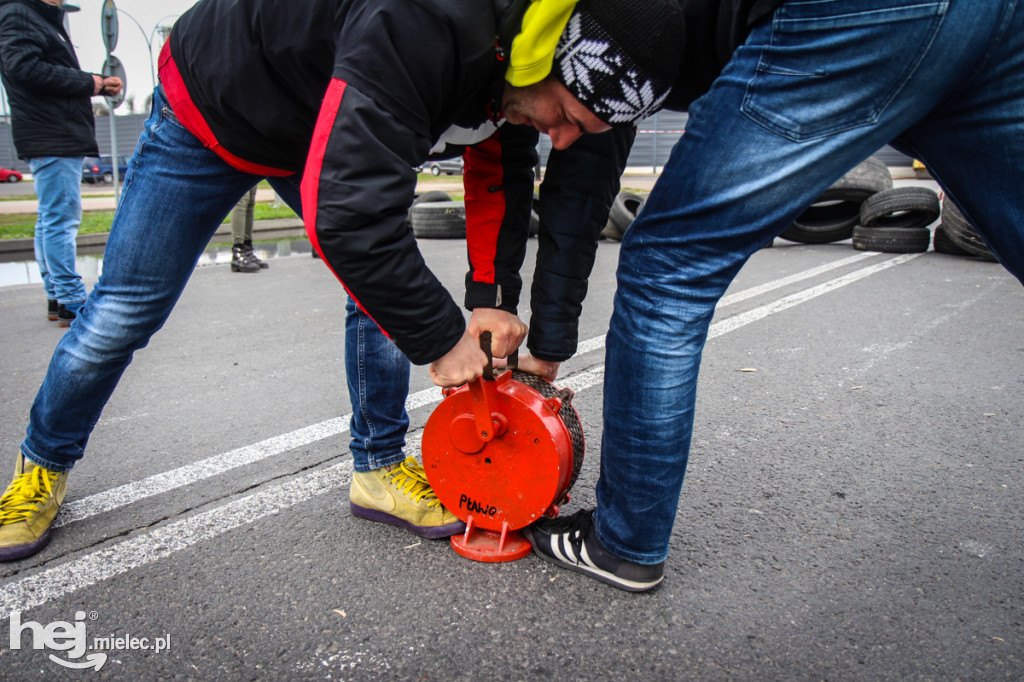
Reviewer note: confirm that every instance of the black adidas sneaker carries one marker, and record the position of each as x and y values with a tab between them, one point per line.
572	543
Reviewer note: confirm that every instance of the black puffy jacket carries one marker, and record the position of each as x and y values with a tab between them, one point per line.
51	113
352	94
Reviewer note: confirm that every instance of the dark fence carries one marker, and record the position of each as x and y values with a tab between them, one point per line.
658	134
128	128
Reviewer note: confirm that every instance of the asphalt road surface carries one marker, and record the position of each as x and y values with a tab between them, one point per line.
853	508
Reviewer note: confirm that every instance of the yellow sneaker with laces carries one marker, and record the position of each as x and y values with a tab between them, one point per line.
28	507
401	496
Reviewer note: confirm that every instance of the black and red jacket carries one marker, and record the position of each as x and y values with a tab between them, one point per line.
352	94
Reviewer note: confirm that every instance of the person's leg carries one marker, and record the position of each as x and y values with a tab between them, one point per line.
377	375
242	257
378	385
815	90
973	144
174	197
241	219
39	248
387	486
57	184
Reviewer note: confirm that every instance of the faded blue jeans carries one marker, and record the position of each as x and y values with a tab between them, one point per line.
175	195
58	183
817	88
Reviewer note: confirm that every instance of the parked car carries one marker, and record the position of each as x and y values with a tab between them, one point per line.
8	175
448	166
101	168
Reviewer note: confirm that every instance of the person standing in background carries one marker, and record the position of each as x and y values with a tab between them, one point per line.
53	127
242	257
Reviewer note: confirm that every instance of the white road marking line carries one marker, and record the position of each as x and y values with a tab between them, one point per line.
77	510
158	543
149	546
597	343
793	279
743	319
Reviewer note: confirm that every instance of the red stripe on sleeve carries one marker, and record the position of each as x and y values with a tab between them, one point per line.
315	159
314	167
485	210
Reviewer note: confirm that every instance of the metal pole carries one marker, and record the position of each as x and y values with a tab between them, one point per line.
654	161
113	154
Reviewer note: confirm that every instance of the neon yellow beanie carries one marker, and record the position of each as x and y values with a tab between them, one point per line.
533	50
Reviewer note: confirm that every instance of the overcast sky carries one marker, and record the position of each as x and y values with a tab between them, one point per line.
131	39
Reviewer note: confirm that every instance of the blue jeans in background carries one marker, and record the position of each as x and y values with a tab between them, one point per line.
816	89
176	194
58	184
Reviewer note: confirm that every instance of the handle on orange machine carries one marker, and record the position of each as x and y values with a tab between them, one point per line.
481	410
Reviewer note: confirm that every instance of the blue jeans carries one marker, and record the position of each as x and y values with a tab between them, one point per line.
175	195
378	385
817	88
58	181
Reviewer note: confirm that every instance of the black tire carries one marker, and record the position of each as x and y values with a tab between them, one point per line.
13	178
963	234
624	209
901	207
432	195
612	231
943	244
439	220
869	177
108	178
837	211
435	170
425	198
891	239
824	222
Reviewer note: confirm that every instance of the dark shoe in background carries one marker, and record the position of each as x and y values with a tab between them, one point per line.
253	257
52	308
242	259
67	312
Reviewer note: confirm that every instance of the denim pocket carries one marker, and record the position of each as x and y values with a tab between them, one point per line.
827	66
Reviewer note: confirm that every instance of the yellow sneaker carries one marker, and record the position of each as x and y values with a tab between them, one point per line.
402	497
28	508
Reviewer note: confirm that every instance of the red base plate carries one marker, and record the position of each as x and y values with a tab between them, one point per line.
488	545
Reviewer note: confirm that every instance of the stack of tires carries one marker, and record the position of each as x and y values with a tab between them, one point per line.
433	215
836	213
896	220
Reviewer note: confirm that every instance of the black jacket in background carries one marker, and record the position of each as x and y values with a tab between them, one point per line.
51	111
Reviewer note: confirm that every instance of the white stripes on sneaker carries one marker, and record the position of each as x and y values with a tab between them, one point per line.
562	551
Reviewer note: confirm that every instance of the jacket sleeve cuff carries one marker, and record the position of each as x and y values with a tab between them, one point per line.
552	341
487	295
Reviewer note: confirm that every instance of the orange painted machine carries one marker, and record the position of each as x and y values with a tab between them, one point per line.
500	452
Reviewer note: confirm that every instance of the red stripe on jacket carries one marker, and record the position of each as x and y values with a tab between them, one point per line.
485	210
311	176
188	115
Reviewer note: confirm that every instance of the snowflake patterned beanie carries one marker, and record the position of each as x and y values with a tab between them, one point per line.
619	58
